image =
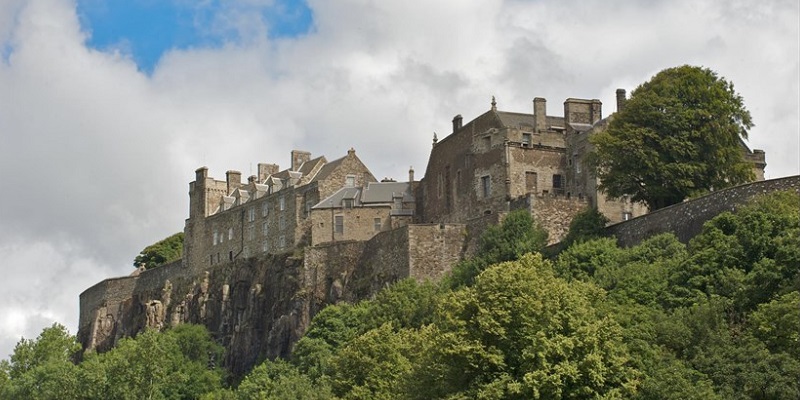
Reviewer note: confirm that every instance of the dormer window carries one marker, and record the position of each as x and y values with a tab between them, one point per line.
526	139
347	203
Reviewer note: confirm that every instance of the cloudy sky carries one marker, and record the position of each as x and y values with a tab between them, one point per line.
108	106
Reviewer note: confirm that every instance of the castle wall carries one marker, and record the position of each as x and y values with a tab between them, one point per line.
358	223
686	219
433	249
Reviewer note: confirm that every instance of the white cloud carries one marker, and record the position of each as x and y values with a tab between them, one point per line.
96	157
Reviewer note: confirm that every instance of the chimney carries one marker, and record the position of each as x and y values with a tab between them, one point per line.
265	170
351	152
411	174
234	180
457	120
298	158
621	98
540	114
200	175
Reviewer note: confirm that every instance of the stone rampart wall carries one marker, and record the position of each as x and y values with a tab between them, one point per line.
433	249
686	219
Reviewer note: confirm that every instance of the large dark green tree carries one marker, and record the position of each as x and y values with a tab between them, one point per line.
678	135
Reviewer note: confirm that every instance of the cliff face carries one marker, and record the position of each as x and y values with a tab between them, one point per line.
256	308
259	307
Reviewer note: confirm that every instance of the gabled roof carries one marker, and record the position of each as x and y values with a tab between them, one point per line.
327	169
335	200
309	165
384	192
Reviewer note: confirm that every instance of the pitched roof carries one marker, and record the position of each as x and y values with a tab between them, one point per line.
326	169
384	192
512	119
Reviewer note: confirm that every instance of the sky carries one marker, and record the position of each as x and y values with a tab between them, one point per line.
107	107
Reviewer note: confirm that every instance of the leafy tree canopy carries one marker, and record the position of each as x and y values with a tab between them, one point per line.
677	136
161	252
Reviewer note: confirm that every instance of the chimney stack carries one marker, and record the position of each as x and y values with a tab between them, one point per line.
540	114
621	98
234	180
457	120
298	158
411	174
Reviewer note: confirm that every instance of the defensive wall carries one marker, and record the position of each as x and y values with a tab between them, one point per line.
686	219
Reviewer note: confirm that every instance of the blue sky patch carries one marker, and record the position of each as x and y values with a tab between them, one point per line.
145	29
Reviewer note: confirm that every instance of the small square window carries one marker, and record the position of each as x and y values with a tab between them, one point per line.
350	181
526	139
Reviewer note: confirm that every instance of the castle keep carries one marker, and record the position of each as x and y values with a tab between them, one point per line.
261	257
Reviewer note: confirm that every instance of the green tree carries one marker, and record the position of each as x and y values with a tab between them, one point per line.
279	380
176	364
677	136
518	234
587	224
161	252
521	332
42	368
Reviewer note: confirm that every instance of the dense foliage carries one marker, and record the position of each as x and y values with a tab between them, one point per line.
176	364
161	252
715	319
678	135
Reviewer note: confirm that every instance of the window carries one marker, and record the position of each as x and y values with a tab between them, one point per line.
397	203
338	223
251	214
212	259
577	165
487	142
230	234
265	228
377	224
350	181
348	203
265	246
282	203
230	256
526	139
486	185
265	209
309	204
557	184
531	181
250	233
216	238
282	223
626	215
282	242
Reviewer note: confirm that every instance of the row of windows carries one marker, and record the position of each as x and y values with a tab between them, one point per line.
265	247
530	183
251	212
338	224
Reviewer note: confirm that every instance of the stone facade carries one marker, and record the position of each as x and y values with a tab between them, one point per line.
270	214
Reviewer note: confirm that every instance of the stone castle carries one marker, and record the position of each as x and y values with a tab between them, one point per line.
261	257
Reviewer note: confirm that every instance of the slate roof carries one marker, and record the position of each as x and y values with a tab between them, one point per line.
375	194
327	169
383	192
512	119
